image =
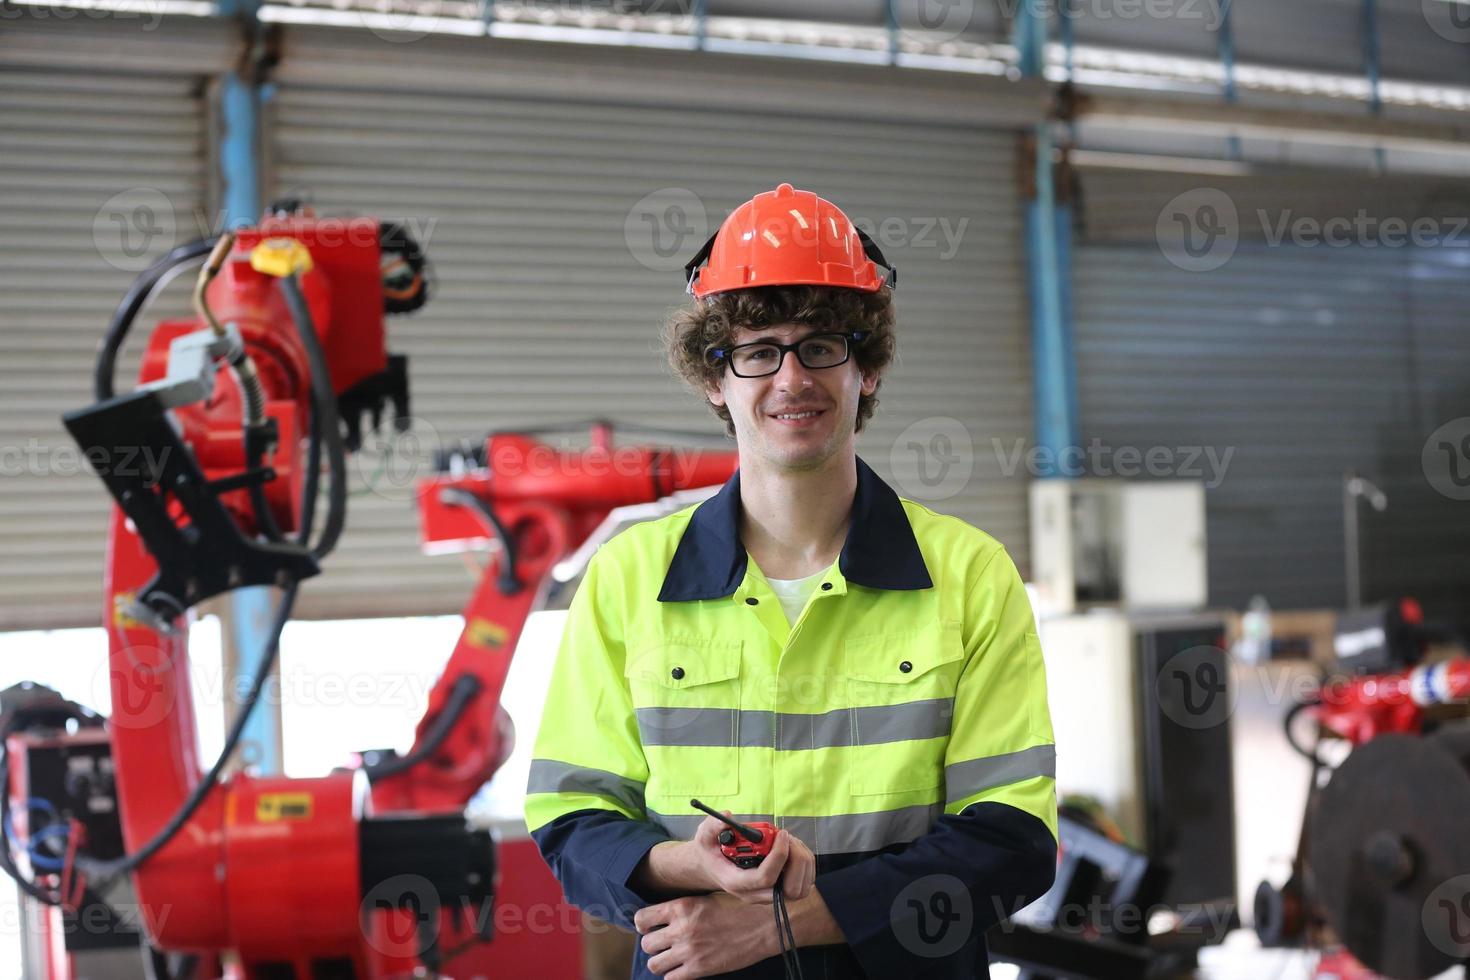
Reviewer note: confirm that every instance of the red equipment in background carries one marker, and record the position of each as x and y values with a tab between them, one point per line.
1383	832
267	878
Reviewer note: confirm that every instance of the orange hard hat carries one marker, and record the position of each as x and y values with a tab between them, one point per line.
788	237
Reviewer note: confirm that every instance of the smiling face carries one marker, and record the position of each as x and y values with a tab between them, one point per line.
757	404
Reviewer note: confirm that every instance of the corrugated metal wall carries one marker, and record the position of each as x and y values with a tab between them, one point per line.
556	268
103	173
1303	361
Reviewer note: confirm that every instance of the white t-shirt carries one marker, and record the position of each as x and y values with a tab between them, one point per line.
794	592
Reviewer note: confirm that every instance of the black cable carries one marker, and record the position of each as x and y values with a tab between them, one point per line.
325	423
790	959
99	870
137	297
7	861
465	687
1291	716
312	483
324	401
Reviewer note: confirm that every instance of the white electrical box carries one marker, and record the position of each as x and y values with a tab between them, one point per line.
1134	545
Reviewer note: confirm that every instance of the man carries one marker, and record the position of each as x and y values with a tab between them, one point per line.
804	648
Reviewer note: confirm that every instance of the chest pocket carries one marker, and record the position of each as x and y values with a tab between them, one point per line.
901	686
686	697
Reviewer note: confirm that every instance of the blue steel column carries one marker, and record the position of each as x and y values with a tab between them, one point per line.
1048	230
1227	65
1371	64
251	609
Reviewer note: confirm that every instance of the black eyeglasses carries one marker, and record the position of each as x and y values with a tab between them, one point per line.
764	357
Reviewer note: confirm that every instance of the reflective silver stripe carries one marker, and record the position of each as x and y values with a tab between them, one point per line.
726	727
967	778
842	834
552	776
716	727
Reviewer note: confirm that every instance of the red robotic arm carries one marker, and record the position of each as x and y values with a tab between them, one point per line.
213	493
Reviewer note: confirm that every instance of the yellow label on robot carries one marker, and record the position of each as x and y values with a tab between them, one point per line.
280	257
273	807
483	633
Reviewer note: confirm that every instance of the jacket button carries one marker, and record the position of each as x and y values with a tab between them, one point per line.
751	601
826	586
905	666
678	673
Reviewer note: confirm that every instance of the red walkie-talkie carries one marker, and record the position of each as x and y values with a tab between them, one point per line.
746	845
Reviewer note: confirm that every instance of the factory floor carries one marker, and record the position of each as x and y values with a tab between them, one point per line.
1240	957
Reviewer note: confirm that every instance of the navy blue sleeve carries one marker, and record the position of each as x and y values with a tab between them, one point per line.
593	853
904	912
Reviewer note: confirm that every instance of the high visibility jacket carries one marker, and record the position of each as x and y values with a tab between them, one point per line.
899	727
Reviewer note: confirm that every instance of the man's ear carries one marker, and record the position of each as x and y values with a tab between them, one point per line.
869	381
715	395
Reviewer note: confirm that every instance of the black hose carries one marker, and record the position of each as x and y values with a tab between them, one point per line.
324	402
460	695
98	870
137	297
1291	716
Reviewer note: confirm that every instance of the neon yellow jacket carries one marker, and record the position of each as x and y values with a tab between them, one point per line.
899	728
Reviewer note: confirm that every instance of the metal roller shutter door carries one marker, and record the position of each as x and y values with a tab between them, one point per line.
549	301
1304	361
103	173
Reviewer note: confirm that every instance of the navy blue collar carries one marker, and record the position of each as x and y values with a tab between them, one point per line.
880	551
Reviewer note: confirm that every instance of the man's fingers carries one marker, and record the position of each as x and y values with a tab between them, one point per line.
665	962
656	941
651	917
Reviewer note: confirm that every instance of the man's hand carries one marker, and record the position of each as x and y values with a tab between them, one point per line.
790	861
705	935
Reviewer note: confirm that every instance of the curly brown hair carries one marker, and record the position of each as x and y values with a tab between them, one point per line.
692	332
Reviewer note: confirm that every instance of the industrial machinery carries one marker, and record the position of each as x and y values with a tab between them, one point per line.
214	461
1383	865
